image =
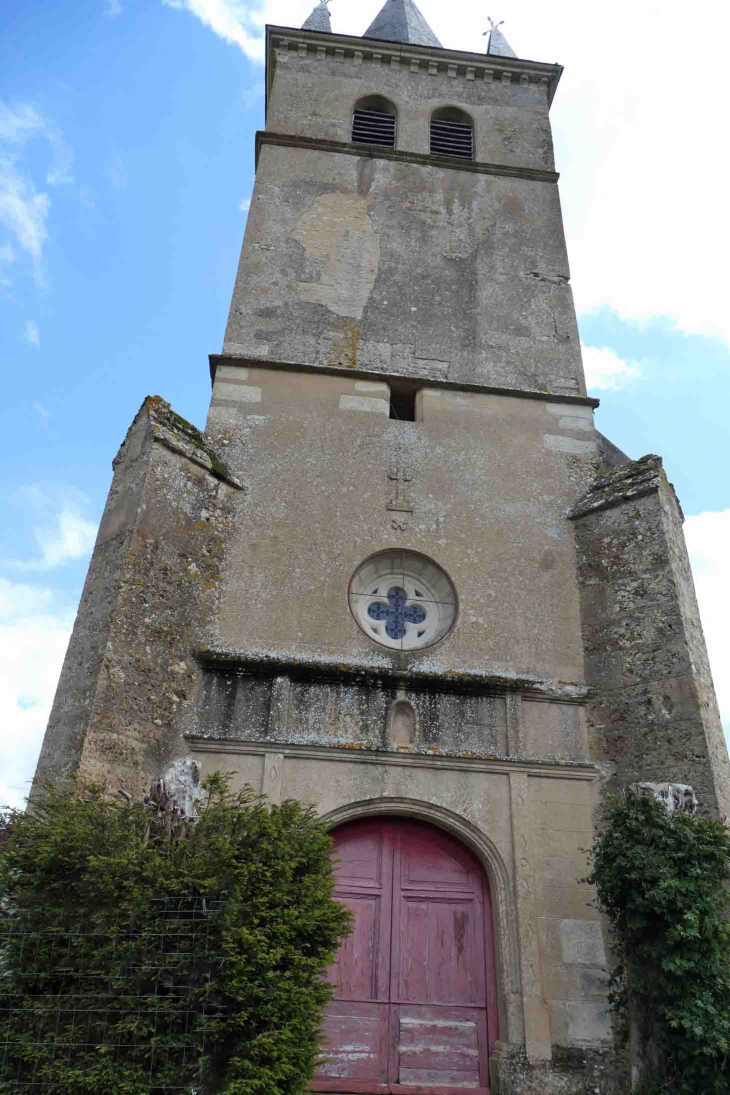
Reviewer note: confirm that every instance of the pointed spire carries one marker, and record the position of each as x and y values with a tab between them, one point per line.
401	21
319	19
498	46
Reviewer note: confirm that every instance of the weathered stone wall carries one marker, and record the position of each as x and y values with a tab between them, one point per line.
653	716
572	1071
152	585
402	262
491	478
313	96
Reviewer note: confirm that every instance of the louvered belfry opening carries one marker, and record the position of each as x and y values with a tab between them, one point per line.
373	122
452	134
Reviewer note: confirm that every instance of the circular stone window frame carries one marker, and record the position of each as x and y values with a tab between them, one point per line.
426	584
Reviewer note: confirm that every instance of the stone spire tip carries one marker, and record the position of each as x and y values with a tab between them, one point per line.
498	46
319	19
401	21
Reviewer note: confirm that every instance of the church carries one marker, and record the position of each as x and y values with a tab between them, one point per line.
401	576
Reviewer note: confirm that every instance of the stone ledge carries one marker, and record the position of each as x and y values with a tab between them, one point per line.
627	481
531	766
412	383
179	435
453	163
399	666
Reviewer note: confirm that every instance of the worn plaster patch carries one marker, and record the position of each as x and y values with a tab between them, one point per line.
364	403
370	386
343	248
241	393
569	444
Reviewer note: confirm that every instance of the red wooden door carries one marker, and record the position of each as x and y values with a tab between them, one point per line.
414	1004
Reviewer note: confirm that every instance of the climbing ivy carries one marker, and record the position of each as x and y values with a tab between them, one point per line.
662	881
142	956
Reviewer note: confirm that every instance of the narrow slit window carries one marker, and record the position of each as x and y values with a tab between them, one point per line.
403	404
373	122
452	134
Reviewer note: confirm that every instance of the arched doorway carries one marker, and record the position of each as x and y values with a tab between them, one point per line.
415	1005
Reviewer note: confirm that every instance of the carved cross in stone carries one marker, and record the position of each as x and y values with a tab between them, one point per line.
400	478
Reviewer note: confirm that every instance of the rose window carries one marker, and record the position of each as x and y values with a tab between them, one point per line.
402	600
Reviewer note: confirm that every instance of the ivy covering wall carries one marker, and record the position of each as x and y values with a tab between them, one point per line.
142	956
662	881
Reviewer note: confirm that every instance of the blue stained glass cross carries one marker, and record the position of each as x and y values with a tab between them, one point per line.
395	613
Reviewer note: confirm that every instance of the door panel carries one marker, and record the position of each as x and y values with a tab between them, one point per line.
355	1044
440	1047
438	949
410	1013
356	1022
355	970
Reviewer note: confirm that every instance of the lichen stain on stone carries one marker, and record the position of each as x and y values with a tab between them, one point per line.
345	346
343	249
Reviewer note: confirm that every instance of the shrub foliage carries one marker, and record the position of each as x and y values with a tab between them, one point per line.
662	880
140	957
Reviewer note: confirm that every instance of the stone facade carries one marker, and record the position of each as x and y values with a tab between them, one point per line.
215	620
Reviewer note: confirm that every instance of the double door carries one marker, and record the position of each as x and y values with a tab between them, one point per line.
414	997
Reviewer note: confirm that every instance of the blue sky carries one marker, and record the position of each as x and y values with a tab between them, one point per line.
126	163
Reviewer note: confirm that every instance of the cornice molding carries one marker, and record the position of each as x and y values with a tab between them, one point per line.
455	64
405	669
415	383
452	163
578	770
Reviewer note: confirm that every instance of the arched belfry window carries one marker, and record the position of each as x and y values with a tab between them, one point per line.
373	122
452	133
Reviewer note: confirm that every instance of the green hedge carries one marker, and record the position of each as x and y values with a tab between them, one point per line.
662	880
142	957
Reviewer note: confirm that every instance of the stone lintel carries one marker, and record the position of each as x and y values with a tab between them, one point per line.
413	383
452	163
403	668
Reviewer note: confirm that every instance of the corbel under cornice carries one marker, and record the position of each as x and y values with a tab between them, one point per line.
426	59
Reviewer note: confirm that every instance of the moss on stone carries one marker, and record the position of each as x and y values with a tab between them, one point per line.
174	427
616	485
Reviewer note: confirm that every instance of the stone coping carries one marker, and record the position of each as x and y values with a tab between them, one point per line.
630	480
412	382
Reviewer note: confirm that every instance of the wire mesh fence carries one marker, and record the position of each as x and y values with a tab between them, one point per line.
129	1007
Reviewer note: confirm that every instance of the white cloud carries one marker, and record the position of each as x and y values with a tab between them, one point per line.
23	208
605	370
708	543
32	334
244	205
42	411
62	532
232	21
34	633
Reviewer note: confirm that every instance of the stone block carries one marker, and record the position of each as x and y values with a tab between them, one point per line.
581	943
583	1022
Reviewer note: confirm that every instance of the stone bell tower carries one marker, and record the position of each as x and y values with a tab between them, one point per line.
401	576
